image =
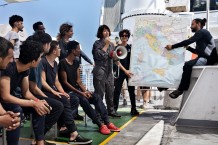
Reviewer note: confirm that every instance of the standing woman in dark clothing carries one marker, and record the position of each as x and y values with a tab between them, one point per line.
103	79
123	64
205	49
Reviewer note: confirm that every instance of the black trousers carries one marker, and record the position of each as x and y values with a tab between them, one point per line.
67	114
117	90
37	121
99	105
186	75
53	117
187	69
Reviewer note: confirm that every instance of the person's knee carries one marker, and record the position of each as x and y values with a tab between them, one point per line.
18	109
13	107
55	104
99	92
60	106
95	98
64	99
84	101
187	67
74	100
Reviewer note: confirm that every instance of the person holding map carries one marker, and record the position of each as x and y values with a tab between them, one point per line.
205	49
123	65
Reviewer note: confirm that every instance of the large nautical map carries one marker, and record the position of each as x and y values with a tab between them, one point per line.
151	63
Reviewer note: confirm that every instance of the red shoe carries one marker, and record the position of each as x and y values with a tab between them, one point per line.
104	130
113	128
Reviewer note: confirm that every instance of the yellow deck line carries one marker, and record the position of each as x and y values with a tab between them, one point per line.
115	133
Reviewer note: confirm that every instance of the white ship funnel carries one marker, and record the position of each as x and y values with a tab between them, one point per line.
133	5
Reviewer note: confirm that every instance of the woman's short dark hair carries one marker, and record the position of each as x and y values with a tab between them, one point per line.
53	46
201	21
71	45
124	31
101	29
29	51
15	18
5	45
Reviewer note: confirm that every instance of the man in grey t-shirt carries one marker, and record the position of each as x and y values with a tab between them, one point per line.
16	22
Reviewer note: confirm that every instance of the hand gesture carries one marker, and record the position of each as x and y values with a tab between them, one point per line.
88	94
15	121
128	73
107	40
83	94
168	47
58	94
10	120
67	95
41	107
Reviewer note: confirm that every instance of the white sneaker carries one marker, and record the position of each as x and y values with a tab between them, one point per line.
148	106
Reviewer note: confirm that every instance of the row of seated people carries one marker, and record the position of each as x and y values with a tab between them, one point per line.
34	83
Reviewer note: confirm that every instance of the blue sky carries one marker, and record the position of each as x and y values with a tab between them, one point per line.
83	14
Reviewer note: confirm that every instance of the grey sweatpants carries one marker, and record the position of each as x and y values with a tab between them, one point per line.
105	85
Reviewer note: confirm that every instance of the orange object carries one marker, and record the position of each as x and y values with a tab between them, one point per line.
104	130
194	56
113	128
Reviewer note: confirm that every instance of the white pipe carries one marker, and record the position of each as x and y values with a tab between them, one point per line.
102	13
208	14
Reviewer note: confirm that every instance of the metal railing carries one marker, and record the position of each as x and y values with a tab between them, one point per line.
87	76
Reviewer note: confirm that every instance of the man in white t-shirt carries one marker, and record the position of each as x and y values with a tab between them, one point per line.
16	22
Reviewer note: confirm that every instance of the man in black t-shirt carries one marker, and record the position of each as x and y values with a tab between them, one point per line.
123	64
9	120
53	89
64	36
35	84
16	74
70	78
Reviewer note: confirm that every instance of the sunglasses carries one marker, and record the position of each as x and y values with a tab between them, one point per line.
124	35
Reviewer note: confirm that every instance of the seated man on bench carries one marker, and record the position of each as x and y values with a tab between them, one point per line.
53	89
205	49
8	119
71	82
16	74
